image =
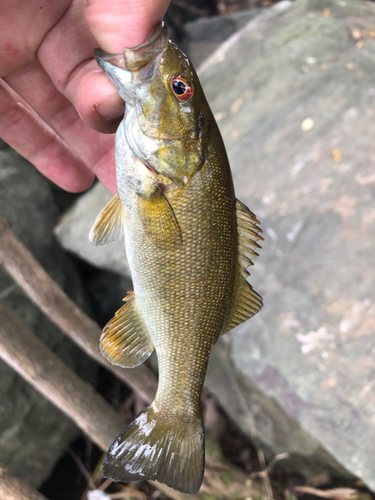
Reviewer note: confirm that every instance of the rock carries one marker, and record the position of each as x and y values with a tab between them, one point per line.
294	96
205	34
298	122
74	228
33	433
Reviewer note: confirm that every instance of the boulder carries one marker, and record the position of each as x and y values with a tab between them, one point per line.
204	35
296	107
34	433
74	227
294	95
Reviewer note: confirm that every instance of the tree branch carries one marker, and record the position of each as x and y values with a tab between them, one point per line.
49	297
12	488
34	361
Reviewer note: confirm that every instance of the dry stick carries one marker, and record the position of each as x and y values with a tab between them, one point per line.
47	295
34	361
24	352
12	488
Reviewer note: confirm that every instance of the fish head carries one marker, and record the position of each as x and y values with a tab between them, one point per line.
166	102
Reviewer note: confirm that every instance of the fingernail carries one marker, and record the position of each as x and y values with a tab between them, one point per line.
111	108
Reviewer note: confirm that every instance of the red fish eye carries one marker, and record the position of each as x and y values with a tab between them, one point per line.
182	88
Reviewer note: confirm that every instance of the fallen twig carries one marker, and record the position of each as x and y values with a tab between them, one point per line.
12	488
334	493
264	472
47	295
22	350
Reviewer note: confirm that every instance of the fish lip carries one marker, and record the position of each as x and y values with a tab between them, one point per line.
141	55
151	40
127	60
101	56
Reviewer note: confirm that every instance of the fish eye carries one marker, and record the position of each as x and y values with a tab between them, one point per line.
182	88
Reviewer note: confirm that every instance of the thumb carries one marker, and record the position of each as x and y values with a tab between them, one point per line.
116	24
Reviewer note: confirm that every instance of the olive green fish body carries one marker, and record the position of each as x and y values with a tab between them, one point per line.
185	291
188	243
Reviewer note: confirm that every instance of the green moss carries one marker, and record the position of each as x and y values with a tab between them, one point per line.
213	449
206	496
226	479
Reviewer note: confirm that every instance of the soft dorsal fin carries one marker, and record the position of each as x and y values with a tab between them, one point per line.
159	220
125	340
109	224
245	301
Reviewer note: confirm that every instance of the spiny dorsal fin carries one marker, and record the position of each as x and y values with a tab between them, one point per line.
109	224
125	340
159	220
245	301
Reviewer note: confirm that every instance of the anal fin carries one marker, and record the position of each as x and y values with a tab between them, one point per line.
245	301
125	340
109	224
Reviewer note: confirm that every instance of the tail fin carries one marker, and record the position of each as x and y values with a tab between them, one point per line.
159	445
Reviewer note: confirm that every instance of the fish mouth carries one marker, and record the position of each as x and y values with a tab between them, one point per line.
121	68
139	56
135	58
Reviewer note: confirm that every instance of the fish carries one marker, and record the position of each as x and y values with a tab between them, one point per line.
188	242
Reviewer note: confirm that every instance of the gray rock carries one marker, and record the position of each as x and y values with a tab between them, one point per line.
75	225
33	433
302	371
206	33
295	100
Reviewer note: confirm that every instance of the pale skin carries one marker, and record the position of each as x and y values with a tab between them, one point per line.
54	100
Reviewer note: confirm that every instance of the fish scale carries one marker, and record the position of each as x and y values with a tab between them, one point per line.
188	242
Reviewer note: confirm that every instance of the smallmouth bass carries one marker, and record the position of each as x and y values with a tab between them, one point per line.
188	242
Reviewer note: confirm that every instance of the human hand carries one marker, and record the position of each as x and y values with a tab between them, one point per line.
52	93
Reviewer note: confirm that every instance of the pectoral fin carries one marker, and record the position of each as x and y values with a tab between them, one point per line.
125	340
109	225
245	301
159	220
